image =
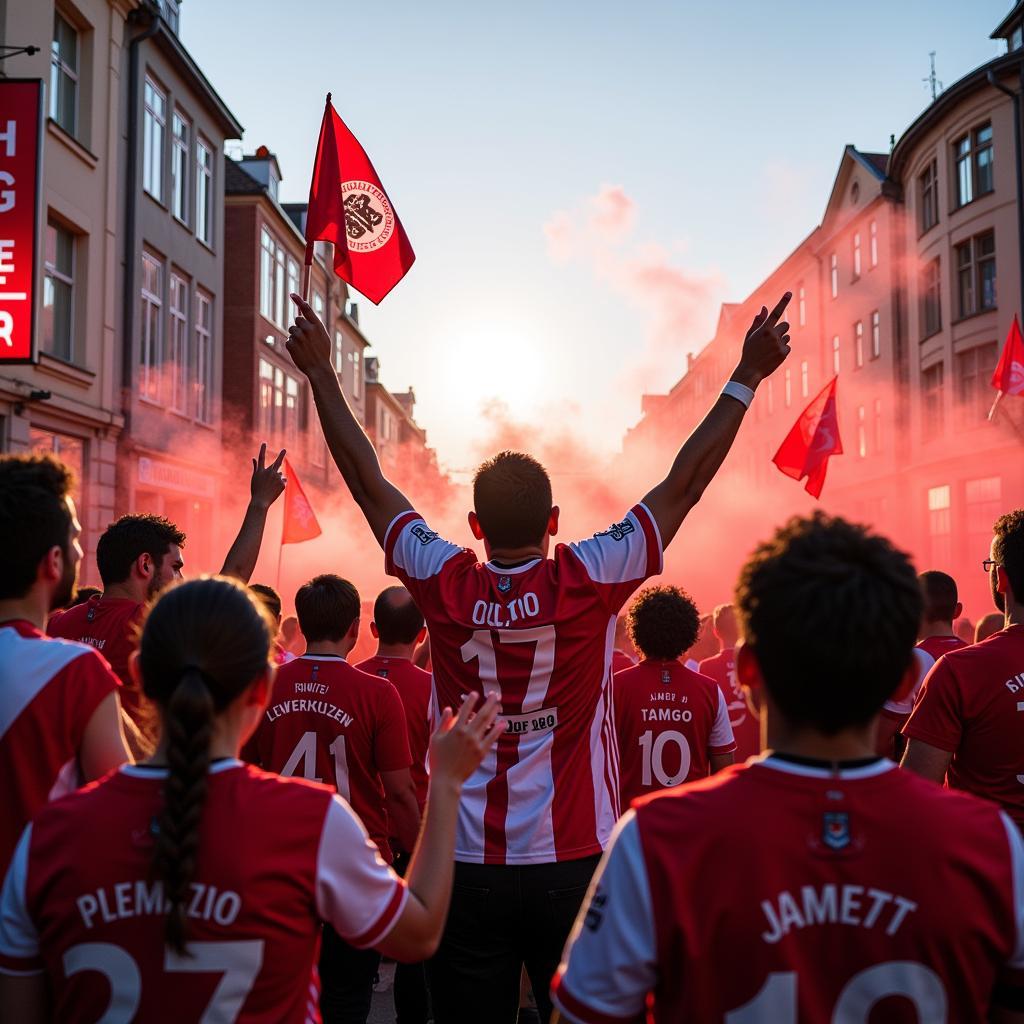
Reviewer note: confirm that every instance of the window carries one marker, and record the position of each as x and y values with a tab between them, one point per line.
876	335
931	299
802	305
835	353
862	432
58	293
204	192
280	299
357	373
179	167
940	525
804	379
856	255
291	410
1016	39
169	9
318	304
983	505
272	280
339	352
279	403
178	352
789	387
385	425
873	244
154	126
203	360
976	274
877	438
293	278
858	343
928	190
973	154
932	392
973	373
64	75
833	262
151	328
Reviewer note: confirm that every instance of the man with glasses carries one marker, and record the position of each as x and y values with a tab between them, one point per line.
968	725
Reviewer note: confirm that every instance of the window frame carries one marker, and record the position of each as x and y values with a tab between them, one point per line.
150	117
858	344
872	244
931	287
836	347
856	256
52	271
967	163
876	334
152	350
971	272
181	152
933	401
205	191
58	67
203	410
928	191
179	332
833	270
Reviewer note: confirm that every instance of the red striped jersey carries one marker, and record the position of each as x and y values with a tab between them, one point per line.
413	686
926	653
276	857
668	721
746	726
49	689
329	722
809	879
540	635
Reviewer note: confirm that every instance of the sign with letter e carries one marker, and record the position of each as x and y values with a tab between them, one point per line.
21	136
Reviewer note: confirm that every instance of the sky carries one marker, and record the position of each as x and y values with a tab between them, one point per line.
584	182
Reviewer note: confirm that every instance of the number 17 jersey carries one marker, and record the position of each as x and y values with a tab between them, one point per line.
540	635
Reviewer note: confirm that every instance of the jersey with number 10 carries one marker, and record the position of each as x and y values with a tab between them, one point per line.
541	636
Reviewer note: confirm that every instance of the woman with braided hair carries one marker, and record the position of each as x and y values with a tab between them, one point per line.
191	887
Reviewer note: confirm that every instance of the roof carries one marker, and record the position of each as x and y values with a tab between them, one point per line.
239	182
1003	28
876	162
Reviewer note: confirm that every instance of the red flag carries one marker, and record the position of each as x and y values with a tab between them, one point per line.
814	437
349	207
299	519
1008	378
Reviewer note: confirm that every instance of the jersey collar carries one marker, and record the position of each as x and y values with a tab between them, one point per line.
159	771
811	767
511	570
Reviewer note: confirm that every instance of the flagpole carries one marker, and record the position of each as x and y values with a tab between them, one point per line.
992	411
308	264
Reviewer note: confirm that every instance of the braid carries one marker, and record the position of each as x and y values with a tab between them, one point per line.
188	721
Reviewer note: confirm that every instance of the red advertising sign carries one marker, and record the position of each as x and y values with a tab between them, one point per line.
21	124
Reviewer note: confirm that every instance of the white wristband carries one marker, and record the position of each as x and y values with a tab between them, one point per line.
734	389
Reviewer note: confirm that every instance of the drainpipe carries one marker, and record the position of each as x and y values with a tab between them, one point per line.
1015	96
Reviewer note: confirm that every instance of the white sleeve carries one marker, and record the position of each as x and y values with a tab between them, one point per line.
1016	961
356	892
610	960
413	551
19	941
924	662
722	740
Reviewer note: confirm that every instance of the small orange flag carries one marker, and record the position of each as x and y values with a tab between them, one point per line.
299	519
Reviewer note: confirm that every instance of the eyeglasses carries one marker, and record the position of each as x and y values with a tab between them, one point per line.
989	564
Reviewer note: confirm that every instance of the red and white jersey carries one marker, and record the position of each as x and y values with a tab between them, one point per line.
668	722
540	635
972	705
49	690
110	625
331	723
276	856
414	687
781	892
621	661
746	726
926	653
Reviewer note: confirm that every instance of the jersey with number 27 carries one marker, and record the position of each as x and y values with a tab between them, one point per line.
540	635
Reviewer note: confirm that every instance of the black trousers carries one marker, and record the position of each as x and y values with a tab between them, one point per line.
502	917
412	1004
346	979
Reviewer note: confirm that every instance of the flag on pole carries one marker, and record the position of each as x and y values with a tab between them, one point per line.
1008	378
349	207
299	519
814	437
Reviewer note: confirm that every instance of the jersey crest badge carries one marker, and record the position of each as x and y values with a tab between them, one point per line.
835	830
618	531
505	584
423	535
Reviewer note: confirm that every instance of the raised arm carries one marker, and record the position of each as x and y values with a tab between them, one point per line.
309	345
764	349
265	488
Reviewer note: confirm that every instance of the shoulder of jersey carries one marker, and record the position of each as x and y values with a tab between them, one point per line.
74	650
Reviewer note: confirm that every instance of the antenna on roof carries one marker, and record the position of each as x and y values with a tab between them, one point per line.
931	80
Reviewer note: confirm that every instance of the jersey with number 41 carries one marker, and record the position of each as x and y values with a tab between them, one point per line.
541	636
834	920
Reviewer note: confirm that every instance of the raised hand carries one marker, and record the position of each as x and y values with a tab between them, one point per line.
766	345
308	342
462	741
267	481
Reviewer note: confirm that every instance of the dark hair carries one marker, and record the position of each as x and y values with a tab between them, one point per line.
326	606
940	596
130	536
1008	549
398	619
512	499
34	518
831	613
83	594
663	622
268	596
203	643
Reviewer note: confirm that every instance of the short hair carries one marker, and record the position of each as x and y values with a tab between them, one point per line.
268	597
34	518
663	622
831	613
993	622
940	596
130	536
398	619
84	594
1008	549
512	499
326	606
